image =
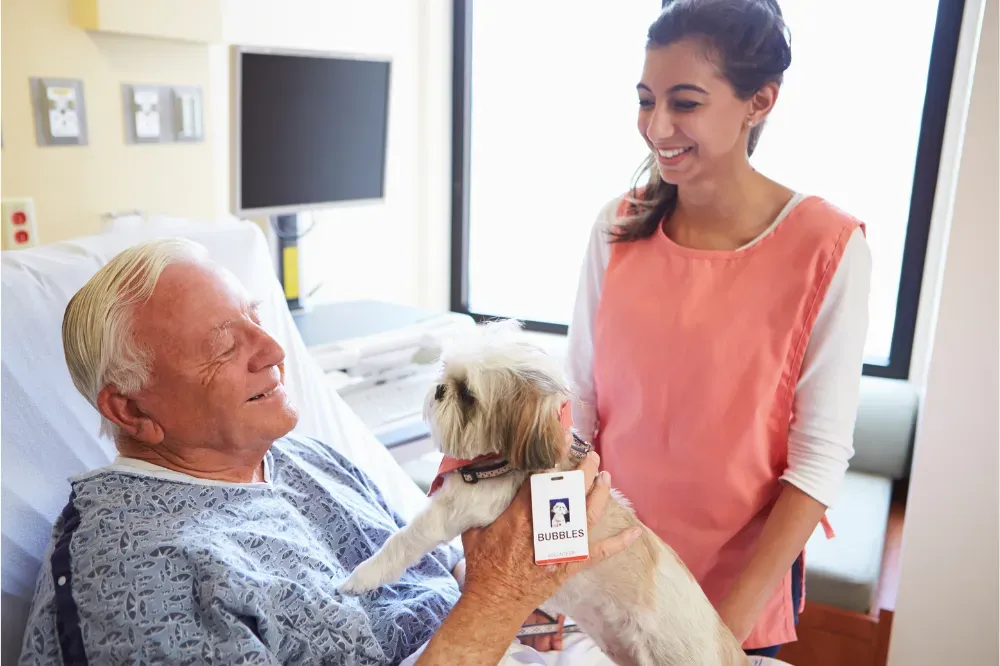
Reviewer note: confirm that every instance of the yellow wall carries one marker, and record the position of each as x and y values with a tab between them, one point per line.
73	185
396	249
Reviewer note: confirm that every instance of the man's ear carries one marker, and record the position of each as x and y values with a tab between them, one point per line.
126	414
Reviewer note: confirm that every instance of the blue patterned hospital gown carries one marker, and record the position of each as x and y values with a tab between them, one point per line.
146	570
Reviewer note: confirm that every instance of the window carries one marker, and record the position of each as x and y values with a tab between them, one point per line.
544	135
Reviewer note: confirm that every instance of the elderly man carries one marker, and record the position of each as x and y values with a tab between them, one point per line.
215	536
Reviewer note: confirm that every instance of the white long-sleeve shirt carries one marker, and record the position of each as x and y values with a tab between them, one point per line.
821	436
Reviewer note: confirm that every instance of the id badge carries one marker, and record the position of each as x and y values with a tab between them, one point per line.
559	516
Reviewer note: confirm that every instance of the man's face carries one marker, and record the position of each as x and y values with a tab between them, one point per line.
217	376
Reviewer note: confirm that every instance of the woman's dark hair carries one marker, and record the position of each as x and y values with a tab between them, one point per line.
751	46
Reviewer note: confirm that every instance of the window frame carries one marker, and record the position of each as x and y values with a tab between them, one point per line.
941	69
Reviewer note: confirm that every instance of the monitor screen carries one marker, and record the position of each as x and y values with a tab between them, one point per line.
310	130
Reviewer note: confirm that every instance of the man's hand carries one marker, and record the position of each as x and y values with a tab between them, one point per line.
544	642
500	561
503	585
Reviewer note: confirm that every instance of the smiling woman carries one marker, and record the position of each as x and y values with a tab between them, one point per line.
696	87
545	133
702	240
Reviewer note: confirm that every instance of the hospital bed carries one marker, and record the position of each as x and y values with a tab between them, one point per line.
49	432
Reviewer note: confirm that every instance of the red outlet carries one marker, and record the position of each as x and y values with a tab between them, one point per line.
17	217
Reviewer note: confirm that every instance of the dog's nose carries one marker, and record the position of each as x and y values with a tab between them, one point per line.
439	393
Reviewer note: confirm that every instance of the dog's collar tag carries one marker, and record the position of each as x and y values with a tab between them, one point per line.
473	473
559	517
580	447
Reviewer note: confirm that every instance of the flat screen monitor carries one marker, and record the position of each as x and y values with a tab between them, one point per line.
309	130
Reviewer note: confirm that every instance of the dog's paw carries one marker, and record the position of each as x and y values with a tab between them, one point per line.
365	578
350	588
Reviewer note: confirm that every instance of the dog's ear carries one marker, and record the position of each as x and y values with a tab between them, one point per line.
535	437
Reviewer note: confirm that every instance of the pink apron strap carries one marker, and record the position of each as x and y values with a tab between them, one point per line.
827	528
802	582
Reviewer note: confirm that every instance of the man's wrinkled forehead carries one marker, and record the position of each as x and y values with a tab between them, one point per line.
221	329
191	303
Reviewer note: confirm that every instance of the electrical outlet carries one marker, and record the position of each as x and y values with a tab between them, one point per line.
64	122
187	113
20	229
146	107
145	113
60	115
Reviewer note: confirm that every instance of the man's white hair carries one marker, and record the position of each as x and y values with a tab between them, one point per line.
97	332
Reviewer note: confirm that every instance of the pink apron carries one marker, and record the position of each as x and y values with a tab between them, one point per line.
696	358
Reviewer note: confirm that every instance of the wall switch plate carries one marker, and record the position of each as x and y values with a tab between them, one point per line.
20	228
187	113
146	113
60	112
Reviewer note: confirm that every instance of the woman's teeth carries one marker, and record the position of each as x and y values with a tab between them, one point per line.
673	152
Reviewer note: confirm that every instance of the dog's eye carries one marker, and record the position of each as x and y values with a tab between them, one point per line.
467	398
439	393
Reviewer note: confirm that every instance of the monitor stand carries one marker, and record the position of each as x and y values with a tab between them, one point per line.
287	231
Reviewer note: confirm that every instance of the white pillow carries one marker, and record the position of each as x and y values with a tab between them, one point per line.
51	433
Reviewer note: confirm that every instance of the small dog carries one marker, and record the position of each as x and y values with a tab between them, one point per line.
498	407
559	513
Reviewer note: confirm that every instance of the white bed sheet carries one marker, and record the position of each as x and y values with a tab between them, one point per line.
578	650
50	433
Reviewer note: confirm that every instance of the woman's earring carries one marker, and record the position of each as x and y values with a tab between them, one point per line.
750	124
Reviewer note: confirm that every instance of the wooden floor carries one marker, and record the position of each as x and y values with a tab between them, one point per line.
832	637
888	583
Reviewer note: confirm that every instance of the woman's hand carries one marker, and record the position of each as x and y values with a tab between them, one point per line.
737	617
500	558
544	642
792	521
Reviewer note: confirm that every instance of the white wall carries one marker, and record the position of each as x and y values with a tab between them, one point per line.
434	249
944	197
946	611
396	250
